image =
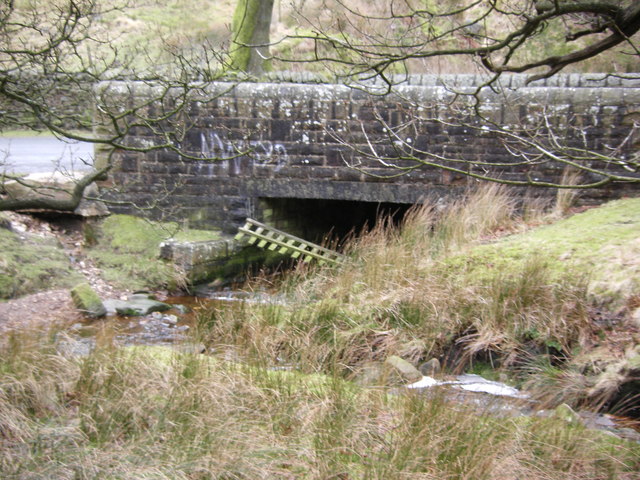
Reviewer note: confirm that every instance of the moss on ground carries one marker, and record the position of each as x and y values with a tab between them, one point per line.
29	264
602	243
127	251
125	248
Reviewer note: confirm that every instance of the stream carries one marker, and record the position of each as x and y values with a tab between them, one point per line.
169	328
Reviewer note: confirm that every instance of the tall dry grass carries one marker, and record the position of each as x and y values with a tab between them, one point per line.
152	414
410	291
566	197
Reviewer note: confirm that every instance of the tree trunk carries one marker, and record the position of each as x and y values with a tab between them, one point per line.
250	43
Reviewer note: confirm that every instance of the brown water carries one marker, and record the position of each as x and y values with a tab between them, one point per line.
159	328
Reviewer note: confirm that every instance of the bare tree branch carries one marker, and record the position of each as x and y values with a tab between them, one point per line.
501	34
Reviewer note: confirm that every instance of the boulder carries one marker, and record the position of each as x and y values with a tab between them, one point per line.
406	372
136	305
370	374
430	368
87	301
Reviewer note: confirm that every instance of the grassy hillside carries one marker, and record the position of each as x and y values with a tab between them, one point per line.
601	244
148	33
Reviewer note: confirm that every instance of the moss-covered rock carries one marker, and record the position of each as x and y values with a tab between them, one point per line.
88	301
403	370
246	260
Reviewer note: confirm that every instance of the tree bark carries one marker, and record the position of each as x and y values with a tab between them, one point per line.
250	42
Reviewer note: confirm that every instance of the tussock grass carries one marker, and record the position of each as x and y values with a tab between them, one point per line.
407	292
566	197
150	413
449	284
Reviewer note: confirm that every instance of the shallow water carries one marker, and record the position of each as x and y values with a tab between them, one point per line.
158	328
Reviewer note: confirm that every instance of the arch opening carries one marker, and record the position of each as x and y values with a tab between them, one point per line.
327	222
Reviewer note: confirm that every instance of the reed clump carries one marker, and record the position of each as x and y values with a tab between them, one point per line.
153	413
411	291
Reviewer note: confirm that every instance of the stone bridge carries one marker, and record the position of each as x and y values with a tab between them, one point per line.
283	153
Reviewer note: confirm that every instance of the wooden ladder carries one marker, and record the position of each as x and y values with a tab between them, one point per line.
272	239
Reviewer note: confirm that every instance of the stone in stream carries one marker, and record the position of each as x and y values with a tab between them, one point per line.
181	309
430	368
136	305
403	369
87	301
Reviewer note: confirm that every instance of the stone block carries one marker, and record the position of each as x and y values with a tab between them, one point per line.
406	372
87	301
280	129
136	305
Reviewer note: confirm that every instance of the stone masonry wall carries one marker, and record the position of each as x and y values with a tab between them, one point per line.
283	140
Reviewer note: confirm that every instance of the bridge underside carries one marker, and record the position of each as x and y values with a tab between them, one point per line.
327	222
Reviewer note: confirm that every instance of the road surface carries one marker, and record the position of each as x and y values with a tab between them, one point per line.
43	154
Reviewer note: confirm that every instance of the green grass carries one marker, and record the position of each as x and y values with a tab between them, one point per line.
127	251
32	264
601	243
24	133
